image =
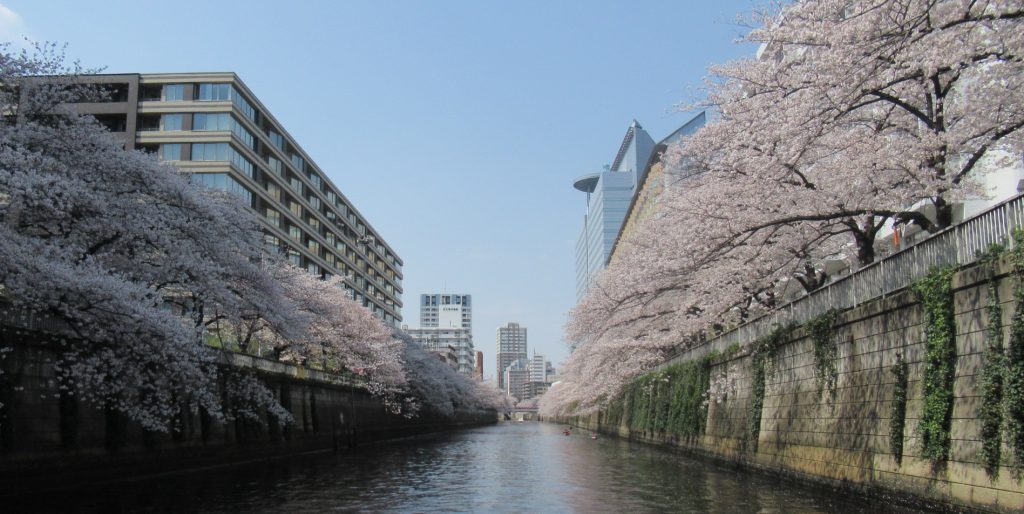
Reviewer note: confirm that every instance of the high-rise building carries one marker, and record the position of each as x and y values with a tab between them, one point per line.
538	368
442	340
609	194
511	346
447	320
516	375
446	310
652	181
478	371
212	125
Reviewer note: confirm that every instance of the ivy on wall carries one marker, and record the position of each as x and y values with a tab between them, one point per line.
825	351
899	408
764	353
670	401
1013	376
935	292
993	370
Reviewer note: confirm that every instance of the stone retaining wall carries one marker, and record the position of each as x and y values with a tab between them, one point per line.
46	439
845	441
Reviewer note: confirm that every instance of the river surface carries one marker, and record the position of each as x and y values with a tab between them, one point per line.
525	467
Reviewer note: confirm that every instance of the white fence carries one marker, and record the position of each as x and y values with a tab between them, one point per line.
957	245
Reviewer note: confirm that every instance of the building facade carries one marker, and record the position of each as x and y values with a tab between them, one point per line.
609	194
478	371
538	368
213	126
533	389
439	340
515	377
510	347
446	310
447	319
652	182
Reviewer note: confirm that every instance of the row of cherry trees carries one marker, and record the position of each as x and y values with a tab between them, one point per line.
855	116
154	275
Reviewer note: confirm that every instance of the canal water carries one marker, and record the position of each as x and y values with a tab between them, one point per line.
509	467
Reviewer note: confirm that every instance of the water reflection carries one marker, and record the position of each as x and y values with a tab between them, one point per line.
527	467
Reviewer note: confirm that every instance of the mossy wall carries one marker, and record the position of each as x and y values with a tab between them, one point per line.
842	436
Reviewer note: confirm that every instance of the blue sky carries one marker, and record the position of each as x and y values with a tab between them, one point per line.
456	128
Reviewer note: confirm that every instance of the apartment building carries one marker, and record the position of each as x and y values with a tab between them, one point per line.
510	347
446	310
447	318
212	125
459	341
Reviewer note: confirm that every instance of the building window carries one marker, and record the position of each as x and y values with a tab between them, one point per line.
272	243
296	185
171	121
295	233
314	202
222	152
315	223
313	268
295	208
294	257
274	217
224	121
149	123
212	121
174	92
170	152
223	182
315	180
274	191
210	152
242	164
243	105
276	139
313	247
275	166
214	92
243	134
298	162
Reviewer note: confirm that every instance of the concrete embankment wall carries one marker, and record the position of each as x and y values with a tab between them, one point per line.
845	440
47	440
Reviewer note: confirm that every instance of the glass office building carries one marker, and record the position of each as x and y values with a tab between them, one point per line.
609	194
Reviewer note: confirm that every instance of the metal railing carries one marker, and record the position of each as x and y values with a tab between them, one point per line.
958	245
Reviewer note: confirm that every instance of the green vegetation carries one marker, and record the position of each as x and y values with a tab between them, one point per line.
1002	373
765	350
899	408
935	293
1013	373
993	370
669	401
825	351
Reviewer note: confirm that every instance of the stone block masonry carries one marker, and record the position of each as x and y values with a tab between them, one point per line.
842	437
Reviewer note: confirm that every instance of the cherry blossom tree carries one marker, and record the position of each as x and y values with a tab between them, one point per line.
154	277
434	385
124	250
855	114
331	331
